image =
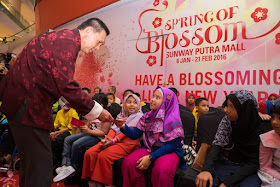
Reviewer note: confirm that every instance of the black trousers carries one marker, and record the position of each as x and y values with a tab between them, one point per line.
34	147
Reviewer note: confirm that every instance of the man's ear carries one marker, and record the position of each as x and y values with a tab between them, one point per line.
88	30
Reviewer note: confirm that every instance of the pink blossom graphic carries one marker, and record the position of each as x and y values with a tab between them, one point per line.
151	60
259	14
165	3
277	36
168	97
156	3
157	22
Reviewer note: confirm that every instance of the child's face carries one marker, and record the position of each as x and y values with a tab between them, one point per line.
275	121
131	105
96	91
231	111
2	65
272	98
127	93
203	107
156	100
86	92
111	99
190	100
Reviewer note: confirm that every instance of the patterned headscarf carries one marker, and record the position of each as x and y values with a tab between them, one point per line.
132	119
164	124
246	106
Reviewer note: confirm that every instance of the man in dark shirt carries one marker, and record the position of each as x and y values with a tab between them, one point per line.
44	72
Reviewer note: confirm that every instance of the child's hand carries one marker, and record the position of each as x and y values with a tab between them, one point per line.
106	142
87	123
144	162
52	133
85	129
264	117
119	123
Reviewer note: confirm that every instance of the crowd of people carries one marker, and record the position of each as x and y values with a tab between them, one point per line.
84	136
86	154
91	153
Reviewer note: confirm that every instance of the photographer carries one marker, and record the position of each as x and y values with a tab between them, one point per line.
3	69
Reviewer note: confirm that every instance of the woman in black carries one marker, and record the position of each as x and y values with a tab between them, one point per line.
233	159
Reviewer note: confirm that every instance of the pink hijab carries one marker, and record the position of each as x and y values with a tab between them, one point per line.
273	94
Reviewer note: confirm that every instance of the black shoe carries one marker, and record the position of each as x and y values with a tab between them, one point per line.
72	180
83	183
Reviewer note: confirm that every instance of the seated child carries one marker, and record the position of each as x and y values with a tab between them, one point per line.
97	90
272	97
162	132
201	107
86	90
190	101
125	93
63	127
236	142
111	98
98	160
269	171
74	145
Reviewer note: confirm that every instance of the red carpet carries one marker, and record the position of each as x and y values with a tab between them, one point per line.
14	181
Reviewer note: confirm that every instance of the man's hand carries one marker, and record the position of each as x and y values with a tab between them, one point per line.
105	116
203	178
144	162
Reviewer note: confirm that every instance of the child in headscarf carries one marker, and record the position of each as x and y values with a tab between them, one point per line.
162	132
190	102
238	134
98	160
272	97
265	106
269	171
